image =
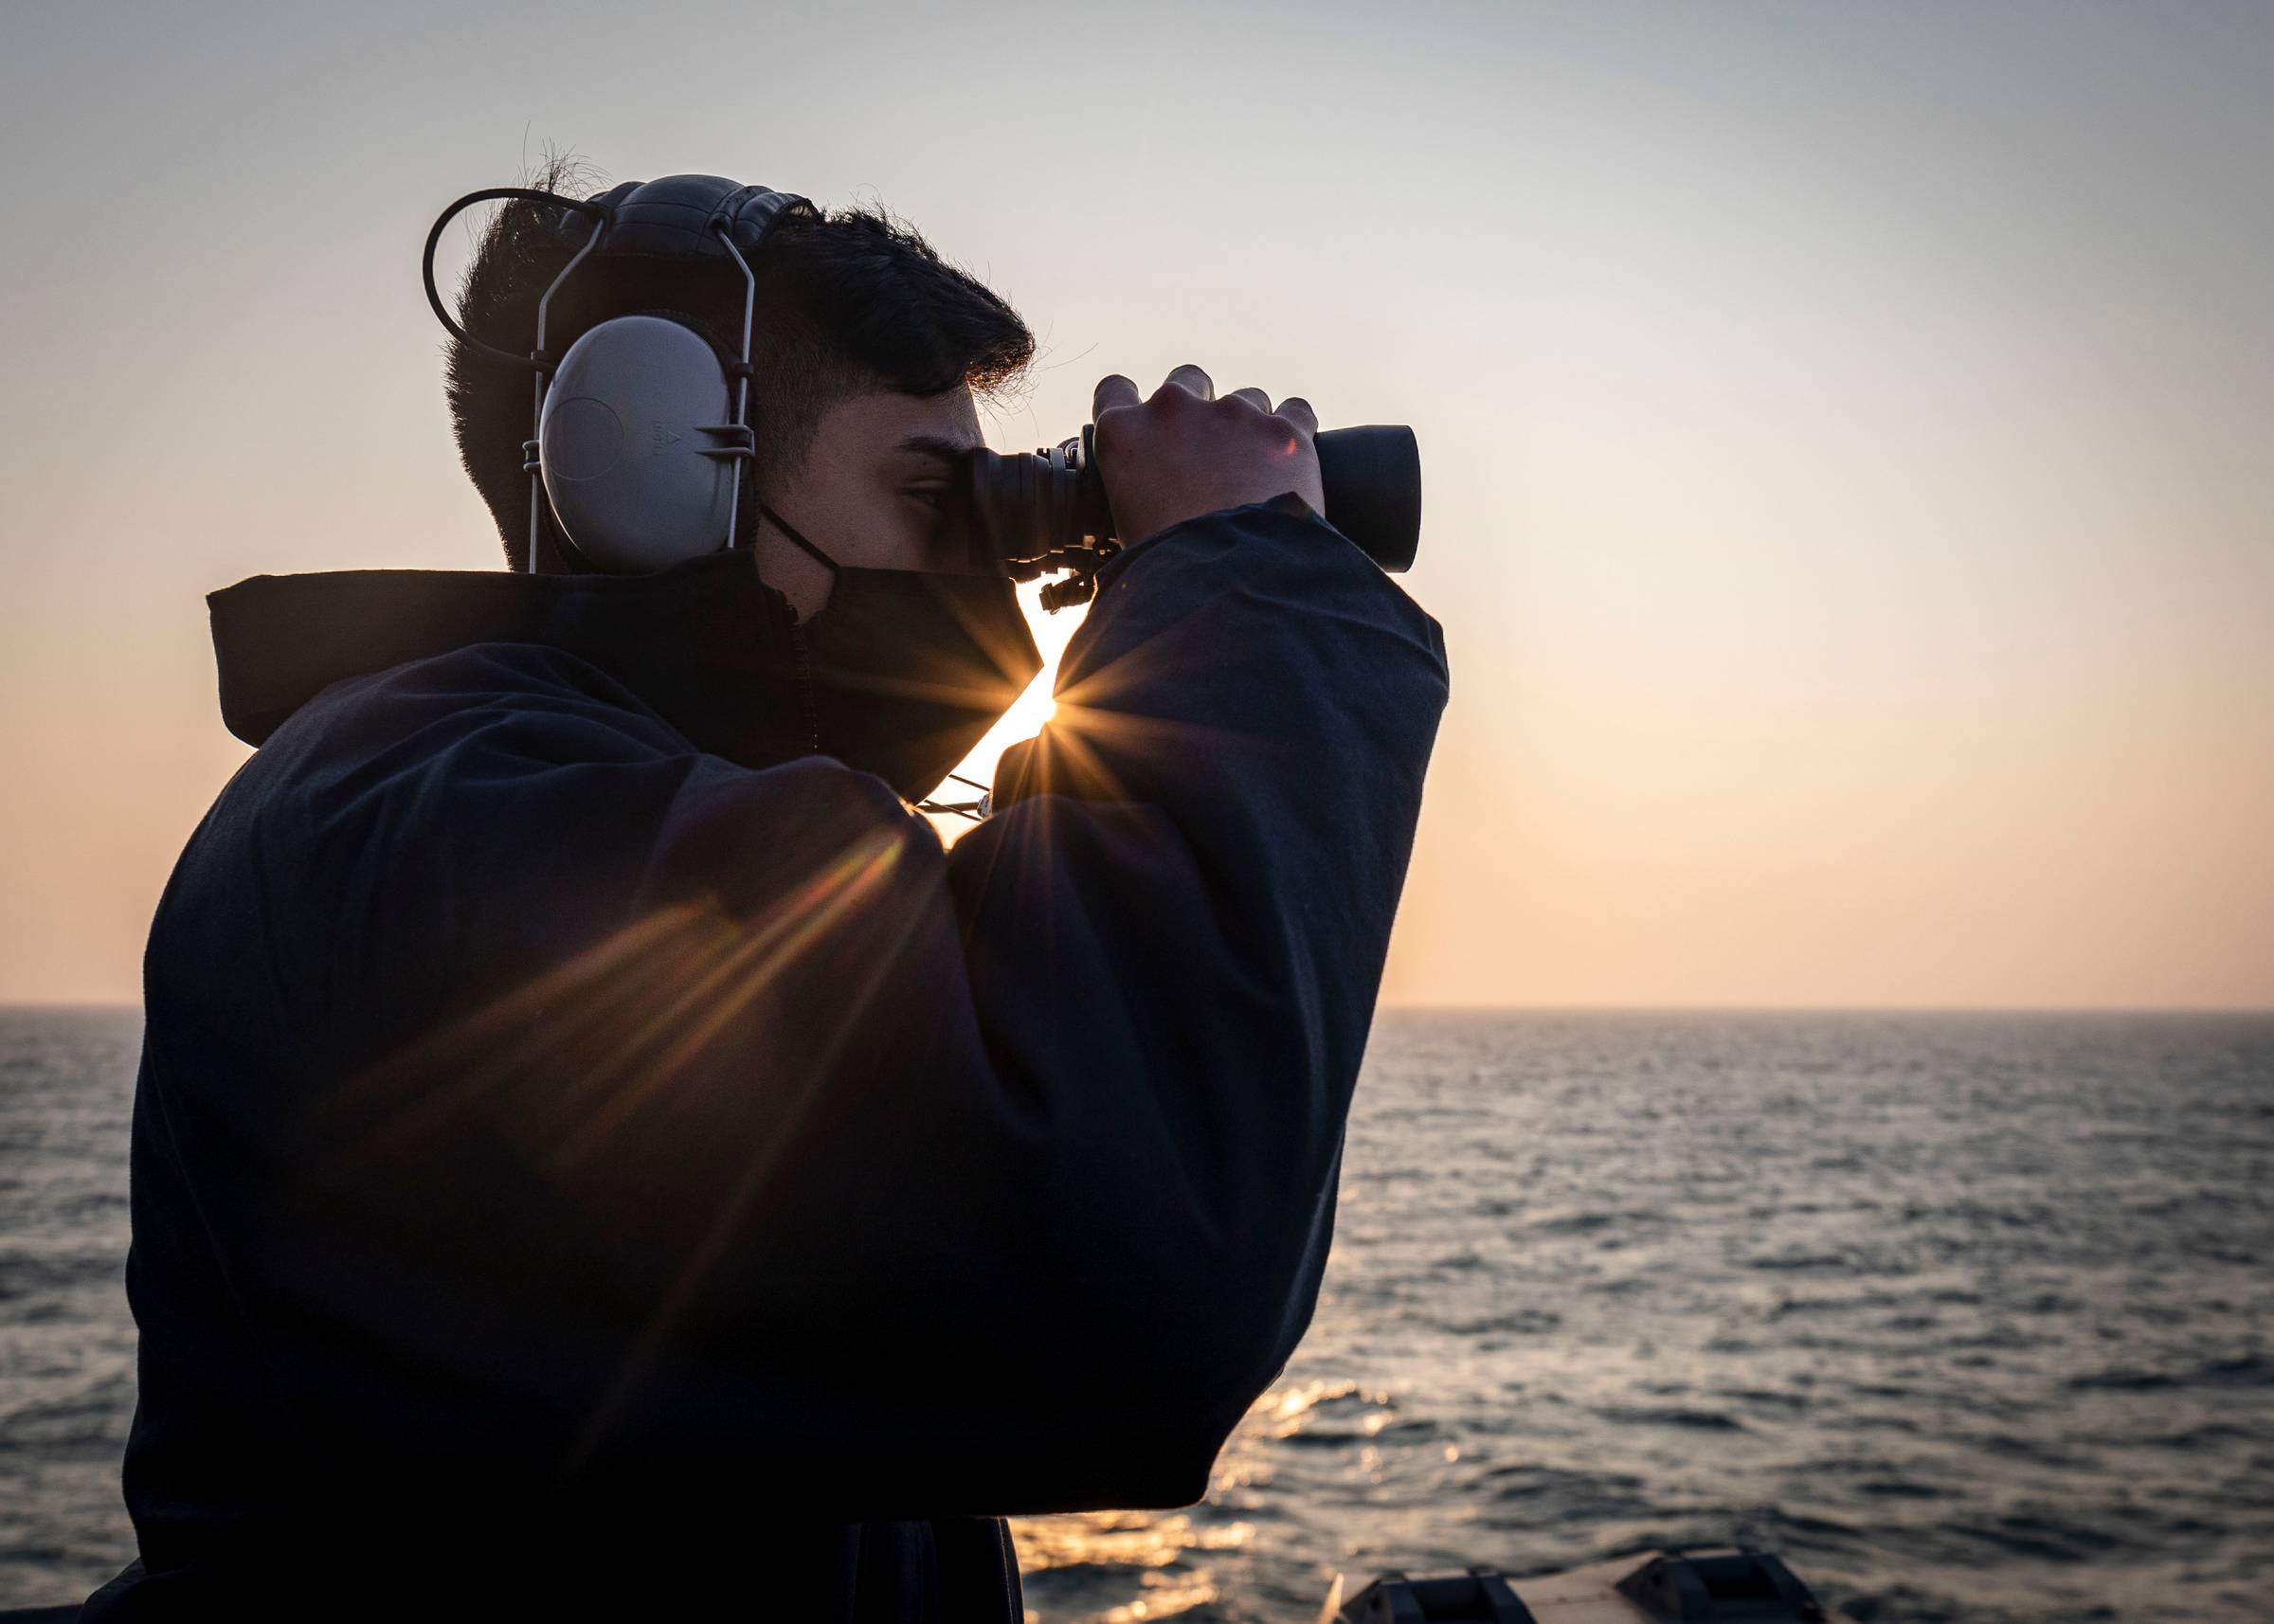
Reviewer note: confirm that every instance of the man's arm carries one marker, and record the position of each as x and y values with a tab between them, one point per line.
1076	1208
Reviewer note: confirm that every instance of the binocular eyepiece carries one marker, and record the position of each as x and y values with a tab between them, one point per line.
1034	514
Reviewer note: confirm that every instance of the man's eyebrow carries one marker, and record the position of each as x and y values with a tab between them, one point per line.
935	446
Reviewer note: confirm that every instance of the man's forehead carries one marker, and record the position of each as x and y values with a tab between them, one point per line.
886	420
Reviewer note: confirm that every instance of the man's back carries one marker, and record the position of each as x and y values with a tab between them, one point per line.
566	1156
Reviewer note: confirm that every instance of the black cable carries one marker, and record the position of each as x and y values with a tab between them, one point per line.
426	262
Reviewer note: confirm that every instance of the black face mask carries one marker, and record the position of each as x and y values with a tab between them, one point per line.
903	671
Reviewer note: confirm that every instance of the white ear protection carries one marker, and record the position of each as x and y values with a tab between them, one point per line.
642	428
638	448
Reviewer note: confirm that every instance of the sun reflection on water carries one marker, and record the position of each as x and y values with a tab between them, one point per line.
1130	1567
1114	1552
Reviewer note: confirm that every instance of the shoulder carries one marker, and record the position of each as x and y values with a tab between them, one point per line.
527	692
521	755
474	719
487	752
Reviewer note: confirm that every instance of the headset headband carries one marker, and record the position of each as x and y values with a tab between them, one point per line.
684	217
680	217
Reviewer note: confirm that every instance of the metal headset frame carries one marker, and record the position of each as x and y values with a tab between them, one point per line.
645	212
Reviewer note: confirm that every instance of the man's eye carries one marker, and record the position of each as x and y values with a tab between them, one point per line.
931	497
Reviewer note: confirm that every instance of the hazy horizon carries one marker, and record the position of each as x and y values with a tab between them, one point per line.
1845	430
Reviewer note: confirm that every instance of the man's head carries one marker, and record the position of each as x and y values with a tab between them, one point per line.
866	351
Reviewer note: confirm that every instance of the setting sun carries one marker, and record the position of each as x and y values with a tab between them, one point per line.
1027	714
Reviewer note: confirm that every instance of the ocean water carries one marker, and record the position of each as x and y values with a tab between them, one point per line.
1968	1317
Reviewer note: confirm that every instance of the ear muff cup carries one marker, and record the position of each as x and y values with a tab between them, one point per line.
637	447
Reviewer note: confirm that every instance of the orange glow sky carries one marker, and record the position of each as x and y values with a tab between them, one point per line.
1848	429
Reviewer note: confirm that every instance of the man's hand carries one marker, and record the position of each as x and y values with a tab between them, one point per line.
1185	452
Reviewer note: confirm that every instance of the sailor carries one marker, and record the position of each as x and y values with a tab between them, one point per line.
596	1152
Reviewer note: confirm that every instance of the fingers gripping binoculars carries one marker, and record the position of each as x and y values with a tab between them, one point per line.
1039	512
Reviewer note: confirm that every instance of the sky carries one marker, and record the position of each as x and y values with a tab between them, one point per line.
1848	428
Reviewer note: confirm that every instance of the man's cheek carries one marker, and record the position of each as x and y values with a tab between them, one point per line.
913	533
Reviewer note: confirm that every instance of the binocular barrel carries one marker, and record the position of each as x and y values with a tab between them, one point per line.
1025	510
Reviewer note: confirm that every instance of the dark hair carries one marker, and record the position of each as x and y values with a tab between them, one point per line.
848	303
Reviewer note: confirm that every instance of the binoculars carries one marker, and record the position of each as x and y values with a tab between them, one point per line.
1036	513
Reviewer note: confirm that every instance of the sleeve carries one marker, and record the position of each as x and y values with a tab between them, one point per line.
991	1181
